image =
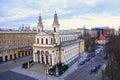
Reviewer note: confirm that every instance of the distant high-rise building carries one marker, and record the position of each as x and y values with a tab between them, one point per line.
105	31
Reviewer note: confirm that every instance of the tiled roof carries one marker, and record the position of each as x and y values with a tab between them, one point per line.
102	37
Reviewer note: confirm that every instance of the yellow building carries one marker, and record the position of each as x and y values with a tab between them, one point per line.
15	44
54	46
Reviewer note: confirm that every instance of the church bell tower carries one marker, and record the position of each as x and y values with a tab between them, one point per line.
55	26
39	25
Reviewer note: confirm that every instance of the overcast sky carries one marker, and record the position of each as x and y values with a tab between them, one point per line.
71	13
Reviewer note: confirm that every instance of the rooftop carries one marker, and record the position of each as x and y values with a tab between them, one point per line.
16	31
102	37
62	32
66	43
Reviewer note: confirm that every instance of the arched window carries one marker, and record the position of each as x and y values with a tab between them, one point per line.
38	51
41	40
38	30
37	40
54	29
46	41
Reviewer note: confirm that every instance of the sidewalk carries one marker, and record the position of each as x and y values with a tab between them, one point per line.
5	66
43	77
26	58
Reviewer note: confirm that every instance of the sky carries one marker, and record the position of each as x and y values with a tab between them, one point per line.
72	14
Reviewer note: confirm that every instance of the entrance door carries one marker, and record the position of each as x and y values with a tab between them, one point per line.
29	52
14	55
6	58
10	57
18	54
22	54
47	58
25	53
42	59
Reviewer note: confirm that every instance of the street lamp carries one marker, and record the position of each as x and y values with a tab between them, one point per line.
47	68
56	70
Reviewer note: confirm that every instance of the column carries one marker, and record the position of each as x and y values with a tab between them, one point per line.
45	58
36	55
49	59
52	58
40	58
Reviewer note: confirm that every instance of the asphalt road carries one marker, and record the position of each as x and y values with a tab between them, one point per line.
5	74
83	72
9	75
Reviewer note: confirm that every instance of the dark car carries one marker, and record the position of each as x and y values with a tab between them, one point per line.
98	66
93	55
105	57
82	62
87	59
93	69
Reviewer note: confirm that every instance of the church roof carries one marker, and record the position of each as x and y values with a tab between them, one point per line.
66	43
102	37
62	32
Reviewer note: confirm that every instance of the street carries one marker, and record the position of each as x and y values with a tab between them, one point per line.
83	72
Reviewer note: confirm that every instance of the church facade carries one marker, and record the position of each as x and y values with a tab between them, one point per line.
56	46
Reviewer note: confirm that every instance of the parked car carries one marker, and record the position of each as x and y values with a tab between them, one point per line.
93	69
105	57
98	66
82	62
93	55
87	59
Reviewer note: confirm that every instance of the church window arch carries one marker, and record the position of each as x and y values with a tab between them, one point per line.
37	40
54	29
46	41
41	40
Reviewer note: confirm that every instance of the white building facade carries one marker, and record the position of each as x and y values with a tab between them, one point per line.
55	46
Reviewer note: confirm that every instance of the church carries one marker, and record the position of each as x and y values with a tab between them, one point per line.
56	46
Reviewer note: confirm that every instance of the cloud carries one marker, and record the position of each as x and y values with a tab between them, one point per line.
17	14
75	13
112	21
92	2
89	2
62	12
91	16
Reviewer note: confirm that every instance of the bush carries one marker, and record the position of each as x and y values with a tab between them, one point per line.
25	65
61	69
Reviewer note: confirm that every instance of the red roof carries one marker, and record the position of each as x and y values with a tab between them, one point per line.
102	37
